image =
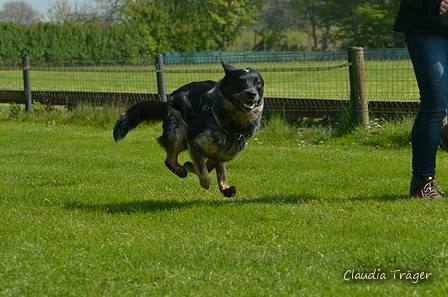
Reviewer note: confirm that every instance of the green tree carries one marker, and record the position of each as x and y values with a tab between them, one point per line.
230	17
149	16
274	23
316	19
376	25
13	39
194	25
343	23
365	23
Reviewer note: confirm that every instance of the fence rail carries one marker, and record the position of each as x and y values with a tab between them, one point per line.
311	84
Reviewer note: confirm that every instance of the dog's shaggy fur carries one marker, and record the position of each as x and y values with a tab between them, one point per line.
212	120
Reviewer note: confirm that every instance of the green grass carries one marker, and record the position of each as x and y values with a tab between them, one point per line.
83	216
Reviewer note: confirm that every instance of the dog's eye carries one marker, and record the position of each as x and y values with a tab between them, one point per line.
242	82
258	83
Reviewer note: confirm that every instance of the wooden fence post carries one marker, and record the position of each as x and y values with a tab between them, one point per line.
27	83
161	85
358	91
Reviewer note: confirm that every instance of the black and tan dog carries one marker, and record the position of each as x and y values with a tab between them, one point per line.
212	120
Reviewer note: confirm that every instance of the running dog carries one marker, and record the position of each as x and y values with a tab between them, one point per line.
212	120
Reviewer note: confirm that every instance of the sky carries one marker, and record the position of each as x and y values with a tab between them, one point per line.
42	5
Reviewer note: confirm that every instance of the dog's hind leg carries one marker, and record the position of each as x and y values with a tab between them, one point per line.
200	168
174	140
171	161
228	191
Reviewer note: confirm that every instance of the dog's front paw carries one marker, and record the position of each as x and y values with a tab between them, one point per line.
229	192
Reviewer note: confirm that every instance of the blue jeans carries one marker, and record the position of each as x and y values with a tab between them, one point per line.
429	55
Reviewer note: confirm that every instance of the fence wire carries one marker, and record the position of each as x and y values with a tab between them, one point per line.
293	75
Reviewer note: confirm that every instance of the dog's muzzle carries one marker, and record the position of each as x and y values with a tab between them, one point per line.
248	99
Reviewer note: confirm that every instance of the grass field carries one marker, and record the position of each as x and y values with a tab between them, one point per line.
83	216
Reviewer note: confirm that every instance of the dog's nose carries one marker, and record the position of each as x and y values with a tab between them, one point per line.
251	93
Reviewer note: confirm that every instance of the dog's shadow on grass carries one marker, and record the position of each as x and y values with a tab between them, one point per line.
151	206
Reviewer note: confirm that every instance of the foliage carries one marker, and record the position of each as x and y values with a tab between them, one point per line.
14	110
229	18
200	25
150	27
84	114
367	24
335	24
379	133
127	27
276	130
316	18
49	40
384	133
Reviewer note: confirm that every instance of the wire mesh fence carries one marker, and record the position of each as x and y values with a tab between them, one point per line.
391	80
293	80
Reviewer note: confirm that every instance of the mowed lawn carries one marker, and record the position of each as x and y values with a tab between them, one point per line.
83	216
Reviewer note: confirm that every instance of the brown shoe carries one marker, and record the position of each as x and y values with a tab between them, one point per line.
425	187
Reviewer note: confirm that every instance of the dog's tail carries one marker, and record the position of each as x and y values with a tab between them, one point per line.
152	111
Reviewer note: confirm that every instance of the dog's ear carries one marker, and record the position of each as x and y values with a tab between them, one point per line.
227	66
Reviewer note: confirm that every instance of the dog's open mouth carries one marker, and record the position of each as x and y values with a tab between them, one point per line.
248	104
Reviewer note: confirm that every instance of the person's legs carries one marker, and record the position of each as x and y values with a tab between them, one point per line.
429	55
